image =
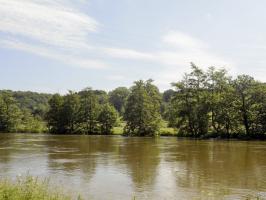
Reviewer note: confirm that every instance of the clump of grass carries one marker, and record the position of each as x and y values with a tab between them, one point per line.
29	188
118	130
166	131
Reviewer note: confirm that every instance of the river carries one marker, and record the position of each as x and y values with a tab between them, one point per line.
115	167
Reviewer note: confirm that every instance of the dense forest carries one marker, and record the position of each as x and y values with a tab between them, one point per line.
205	103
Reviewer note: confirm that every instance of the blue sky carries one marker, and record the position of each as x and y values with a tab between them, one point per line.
56	45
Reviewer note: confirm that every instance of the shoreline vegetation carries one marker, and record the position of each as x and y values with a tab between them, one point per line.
203	104
31	188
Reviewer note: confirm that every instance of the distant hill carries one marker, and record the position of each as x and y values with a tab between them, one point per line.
36	103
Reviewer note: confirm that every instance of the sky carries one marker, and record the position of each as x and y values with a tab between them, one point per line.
54	46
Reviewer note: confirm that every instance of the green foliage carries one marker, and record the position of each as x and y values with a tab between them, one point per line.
89	111
29	188
53	116
22	111
10	114
166	102
107	118
190	104
81	113
70	112
142	112
118	98
31	124
64	113
101	95
212	102
36	103
204	103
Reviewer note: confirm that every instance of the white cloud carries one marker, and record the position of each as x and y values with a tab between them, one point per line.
55	29
186	49
59	30
47	22
178	50
128	54
183	41
68	59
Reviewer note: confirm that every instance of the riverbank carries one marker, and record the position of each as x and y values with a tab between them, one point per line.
30	188
164	130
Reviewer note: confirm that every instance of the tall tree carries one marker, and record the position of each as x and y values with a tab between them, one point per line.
107	118
251	96
70	112
221	95
142	113
89	111
190	104
244	85
54	114
10	114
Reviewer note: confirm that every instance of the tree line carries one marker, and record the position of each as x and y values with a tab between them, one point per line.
19	114
81	112
204	103
212	103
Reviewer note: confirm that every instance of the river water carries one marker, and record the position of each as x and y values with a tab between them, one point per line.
114	167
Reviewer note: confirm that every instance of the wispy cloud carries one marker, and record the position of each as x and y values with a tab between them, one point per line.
68	59
59	30
178	50
182	40
128	54
48	28
46	22
186	49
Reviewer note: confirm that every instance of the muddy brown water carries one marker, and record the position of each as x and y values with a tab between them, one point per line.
115	167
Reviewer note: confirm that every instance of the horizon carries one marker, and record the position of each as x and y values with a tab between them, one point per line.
107	45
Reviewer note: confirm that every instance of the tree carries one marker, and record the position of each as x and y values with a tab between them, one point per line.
259	125
89	111
70	112
54	114
167	95
30	123
166	101
190	104
244	86
118	97
107	118
142	112
251	96
221	95
10	114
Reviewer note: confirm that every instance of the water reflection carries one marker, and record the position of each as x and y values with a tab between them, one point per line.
119	168
141	156
220	168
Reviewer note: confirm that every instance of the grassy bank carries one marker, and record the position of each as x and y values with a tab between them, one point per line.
164	129
29	188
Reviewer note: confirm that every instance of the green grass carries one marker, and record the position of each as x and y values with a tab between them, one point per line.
167	131
164	130
29	188
118	130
